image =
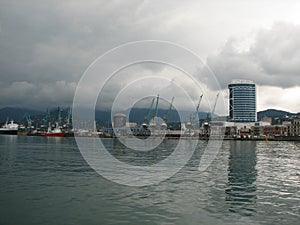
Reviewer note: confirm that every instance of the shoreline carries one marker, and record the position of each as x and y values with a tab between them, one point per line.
272	138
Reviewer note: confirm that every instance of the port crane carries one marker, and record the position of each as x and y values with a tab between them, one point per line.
152	113
195	114
155	113
167	115
28	119
147	119
209	118
209	115
214	108
69	117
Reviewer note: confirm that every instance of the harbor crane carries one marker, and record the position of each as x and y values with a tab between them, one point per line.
167	115
147	119
213	109
155	113
195	114
191	124
28	119
209	118
69	117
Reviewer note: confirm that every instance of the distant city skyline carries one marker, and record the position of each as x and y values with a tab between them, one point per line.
46	46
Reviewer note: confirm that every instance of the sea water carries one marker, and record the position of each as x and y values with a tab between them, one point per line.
47	181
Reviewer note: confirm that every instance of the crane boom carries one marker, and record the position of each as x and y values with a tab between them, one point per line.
58	116
28	120
169	111
150	111
195	114
152	121
156	107
214	108
69	117
197	109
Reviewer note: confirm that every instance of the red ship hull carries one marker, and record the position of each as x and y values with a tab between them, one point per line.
54	134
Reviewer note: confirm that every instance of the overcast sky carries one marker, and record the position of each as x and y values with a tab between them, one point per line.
45	46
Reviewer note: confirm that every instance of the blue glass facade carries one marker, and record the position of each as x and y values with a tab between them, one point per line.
242	101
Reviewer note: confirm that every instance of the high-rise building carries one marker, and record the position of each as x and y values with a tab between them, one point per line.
242	101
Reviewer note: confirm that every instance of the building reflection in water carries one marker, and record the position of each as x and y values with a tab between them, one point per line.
241	189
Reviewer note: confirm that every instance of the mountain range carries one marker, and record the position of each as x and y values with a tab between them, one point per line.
273	113
17	114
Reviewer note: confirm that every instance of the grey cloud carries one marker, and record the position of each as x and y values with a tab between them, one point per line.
42	42
45	46
272	59
32	95
279	49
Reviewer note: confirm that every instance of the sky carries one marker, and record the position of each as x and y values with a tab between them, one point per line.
46	46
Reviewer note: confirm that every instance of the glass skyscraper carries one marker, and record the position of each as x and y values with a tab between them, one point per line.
242	101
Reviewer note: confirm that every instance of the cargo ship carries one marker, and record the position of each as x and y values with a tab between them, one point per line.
22	131
56	132
9	128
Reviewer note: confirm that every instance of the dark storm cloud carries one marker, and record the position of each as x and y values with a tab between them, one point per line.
45	46
50	39
32	95
273	58
45	42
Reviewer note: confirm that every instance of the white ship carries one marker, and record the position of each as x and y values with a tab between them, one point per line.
9	128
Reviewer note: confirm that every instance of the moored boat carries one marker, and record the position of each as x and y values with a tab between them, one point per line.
56	132
23	131
9	128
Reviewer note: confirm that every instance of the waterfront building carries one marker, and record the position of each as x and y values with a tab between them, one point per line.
245	132
294	128
275	130
257	129
242	101
286	123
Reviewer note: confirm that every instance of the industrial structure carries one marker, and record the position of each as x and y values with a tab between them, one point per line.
119	120
242	121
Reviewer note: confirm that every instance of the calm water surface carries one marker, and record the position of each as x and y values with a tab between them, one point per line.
46	181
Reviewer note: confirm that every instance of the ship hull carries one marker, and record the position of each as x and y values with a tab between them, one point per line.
10	132
22	133
53	135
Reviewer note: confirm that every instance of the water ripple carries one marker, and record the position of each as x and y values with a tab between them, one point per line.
46	181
